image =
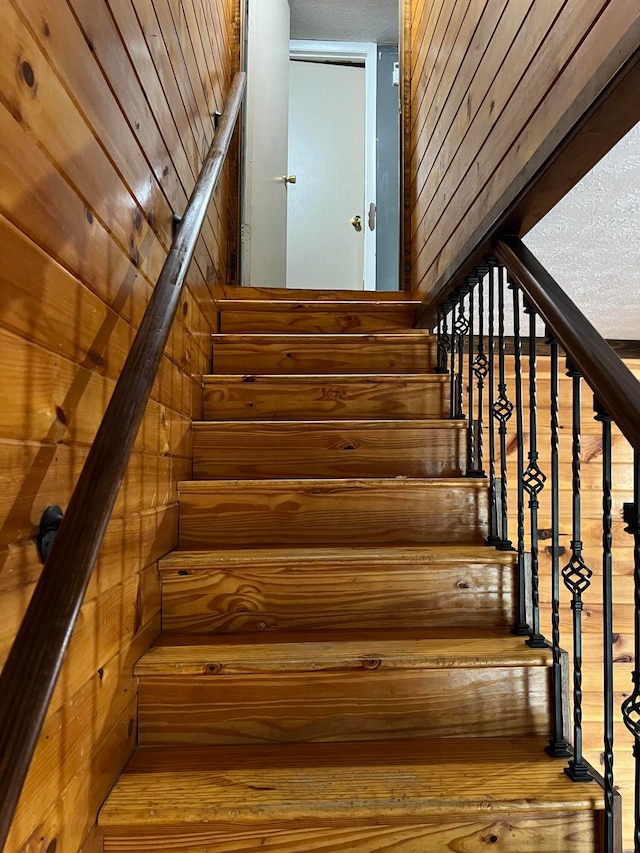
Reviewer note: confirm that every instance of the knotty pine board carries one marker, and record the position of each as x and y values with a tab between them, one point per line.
475	145
243	316
520	118
341	396
309	651
72	819
395	779
275	449
564	832
290	707
390	352
77	153
219	513
93	168
63	41
64	402
448	30
444	99
284	590
463	89
59	467
132	542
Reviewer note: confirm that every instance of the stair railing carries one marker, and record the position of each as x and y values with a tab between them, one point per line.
35	660
537	298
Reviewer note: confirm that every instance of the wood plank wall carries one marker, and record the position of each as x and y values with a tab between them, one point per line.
105	116
495	86
591	500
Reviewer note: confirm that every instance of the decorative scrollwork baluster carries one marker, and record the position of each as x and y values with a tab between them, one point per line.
444	341
557	746
502	411
607	624
472	281
577	578
493	538
533	481
480	371
461	329
631	705
521	628
452	350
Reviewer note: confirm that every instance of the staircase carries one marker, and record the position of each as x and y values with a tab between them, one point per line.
336	670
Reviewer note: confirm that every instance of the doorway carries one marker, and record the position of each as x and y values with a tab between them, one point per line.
311	213
331	209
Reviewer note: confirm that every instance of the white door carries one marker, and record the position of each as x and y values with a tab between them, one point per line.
327	156
264	229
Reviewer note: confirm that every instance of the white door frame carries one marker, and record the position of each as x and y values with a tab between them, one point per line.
366	52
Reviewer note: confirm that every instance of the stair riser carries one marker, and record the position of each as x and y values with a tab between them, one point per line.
401	513
305	450
316	398
558	832
392	318
325	598
308	357
350	705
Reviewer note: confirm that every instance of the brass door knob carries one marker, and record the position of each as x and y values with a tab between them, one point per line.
357	223
289	179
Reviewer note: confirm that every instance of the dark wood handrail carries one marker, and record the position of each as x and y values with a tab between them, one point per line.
610	379
32	668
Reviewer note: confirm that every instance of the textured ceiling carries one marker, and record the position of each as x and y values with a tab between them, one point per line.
590	241
345	20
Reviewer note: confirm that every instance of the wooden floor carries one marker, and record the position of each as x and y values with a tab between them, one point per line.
336	670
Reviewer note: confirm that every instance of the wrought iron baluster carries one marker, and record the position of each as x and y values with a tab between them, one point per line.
533	481
444	341
521	628
493	538
557	746
480	370
502	411
452	351
577	578
471	437
631	705
461	328
607	620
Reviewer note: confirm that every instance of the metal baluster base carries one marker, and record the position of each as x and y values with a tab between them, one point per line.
558	749
578	772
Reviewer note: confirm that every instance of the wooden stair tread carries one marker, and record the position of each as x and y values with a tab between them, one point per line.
356	554
308	295
339	340
392	779
181	655
335	424
324	304
332	484
334	378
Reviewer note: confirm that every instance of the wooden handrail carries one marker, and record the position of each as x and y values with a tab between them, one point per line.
610	379
32	668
